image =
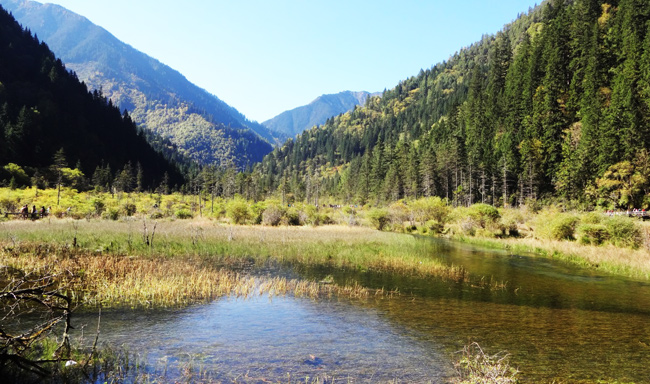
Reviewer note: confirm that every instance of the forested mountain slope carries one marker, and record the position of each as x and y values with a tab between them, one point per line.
160	99
555	104
44	108
317	112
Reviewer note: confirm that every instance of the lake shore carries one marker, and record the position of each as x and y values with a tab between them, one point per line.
626	262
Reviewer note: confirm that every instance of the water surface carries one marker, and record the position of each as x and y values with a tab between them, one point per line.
558	322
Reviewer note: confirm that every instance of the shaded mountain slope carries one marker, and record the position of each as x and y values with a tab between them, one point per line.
160	99
45	108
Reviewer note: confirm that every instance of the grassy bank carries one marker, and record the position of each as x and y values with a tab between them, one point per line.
122	263
271	230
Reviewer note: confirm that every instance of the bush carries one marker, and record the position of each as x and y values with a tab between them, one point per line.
257	212
183	213
291	217
398	213
99	206
484	214
430	208
556	226
129	209
434	226
272	215
237	211
111	214
378	217
592	234
623	231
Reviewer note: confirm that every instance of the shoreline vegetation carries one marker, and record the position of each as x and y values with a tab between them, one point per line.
148	250
613	244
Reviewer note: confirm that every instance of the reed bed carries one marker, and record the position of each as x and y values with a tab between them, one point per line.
339	246
114	280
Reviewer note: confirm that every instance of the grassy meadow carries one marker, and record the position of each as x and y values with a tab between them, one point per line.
199	226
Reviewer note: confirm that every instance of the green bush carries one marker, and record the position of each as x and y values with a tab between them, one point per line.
623	231
378	217
398	213
291	217
434	226
237	211
592	234
556	226
430	208
111	214
183	213
99	206
128	209
484	214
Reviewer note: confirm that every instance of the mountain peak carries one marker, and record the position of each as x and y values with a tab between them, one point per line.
295	121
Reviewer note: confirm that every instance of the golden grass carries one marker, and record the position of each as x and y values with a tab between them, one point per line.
633	263
190	264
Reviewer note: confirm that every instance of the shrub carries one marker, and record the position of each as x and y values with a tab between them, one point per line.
111	214
237	211
99	206
183	213
623	231
291	217
272	215
556	226
378	217
484	214
128	209
398	213
593	234
434	226
257	212
430	208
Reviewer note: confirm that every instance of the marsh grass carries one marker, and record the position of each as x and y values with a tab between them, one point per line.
634	263
477	367
199	261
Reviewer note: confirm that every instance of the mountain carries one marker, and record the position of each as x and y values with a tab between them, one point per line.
159	99
317	112
554	106
45	108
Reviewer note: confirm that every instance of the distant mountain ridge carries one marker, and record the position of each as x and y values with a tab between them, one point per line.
159	98
317	112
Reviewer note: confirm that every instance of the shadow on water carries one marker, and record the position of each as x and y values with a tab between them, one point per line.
559	322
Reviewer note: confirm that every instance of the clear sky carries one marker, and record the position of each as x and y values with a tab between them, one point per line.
267	56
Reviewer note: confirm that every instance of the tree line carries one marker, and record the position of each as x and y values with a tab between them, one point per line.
557	104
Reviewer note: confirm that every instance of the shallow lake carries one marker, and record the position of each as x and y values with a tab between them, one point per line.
557	321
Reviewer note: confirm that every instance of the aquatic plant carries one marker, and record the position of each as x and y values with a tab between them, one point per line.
476	367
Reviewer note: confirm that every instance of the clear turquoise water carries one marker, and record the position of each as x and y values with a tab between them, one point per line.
557	321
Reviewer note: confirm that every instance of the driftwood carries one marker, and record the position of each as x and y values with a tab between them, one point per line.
23	298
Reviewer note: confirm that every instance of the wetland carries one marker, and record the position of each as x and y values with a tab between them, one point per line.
339	304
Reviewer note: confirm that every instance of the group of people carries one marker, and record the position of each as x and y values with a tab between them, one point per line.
629	212
24	212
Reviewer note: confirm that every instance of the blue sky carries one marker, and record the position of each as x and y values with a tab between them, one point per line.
264	57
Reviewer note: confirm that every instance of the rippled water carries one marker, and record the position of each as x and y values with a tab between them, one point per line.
557	321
